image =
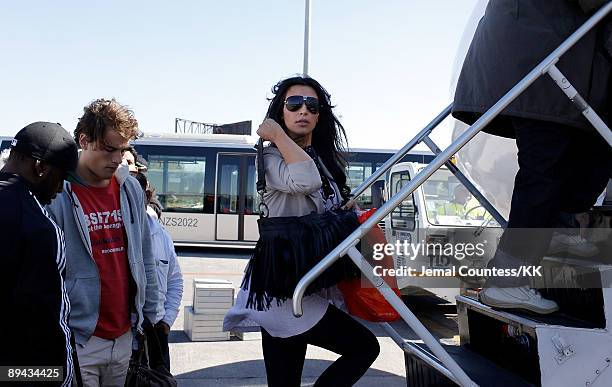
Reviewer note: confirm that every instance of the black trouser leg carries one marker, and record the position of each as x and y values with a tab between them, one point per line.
337	332
357	346
284	359
560	169
163	344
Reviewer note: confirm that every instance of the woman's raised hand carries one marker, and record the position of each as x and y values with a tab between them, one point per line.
269	130
350	204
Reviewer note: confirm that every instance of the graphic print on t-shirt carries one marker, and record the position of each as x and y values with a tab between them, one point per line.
102	210
105	220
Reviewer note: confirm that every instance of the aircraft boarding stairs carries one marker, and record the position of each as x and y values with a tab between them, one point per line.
572	347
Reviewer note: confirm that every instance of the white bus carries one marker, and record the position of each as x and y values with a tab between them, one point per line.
206	185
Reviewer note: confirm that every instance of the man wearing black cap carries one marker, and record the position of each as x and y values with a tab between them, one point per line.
32	292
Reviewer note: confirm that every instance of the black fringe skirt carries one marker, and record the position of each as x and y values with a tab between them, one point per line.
288	247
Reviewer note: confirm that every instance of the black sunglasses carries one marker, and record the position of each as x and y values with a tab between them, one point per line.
295	102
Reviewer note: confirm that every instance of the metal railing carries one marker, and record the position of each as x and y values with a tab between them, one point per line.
451	369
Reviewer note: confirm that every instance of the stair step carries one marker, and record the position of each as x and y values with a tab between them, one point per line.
528	319
481	370
605	208
598	263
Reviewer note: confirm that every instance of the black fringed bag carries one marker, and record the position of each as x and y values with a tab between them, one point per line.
289	246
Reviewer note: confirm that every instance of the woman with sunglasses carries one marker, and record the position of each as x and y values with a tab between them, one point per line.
307	140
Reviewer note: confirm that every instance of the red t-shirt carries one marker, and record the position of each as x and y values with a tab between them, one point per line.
102	208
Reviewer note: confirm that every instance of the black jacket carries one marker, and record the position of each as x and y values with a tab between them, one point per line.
513	37
33	301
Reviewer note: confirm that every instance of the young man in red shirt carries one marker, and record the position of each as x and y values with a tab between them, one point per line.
111	275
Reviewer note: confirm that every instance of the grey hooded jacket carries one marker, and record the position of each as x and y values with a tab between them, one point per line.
82	277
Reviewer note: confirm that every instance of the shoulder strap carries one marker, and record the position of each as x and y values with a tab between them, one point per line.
261	179
328	190
75	361
261	172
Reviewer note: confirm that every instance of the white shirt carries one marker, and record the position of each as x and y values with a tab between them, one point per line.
169	276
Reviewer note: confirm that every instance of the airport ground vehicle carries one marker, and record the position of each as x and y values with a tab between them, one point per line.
430	217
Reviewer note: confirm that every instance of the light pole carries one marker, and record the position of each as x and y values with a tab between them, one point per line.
307	12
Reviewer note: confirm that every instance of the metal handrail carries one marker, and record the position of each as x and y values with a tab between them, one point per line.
459	376
402	152
347	246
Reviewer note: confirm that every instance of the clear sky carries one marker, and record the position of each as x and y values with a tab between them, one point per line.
388	64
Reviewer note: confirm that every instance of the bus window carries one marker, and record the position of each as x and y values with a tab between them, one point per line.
179	181
251	205
227	187
378	195
357	172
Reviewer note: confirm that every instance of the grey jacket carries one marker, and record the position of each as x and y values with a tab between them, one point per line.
291	189
512	37
82	277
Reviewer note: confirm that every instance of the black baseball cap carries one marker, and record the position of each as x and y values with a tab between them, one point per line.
52	144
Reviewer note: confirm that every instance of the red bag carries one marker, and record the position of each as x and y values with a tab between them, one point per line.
362	299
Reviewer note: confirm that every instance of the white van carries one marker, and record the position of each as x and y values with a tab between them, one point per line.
441	212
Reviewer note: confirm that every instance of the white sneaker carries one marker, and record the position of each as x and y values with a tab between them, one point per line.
573	244
517	298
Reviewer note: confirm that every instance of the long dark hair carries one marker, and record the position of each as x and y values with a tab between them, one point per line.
328	136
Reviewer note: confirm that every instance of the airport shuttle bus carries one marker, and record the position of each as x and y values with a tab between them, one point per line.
207	185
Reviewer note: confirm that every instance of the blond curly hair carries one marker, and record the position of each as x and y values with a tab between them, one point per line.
103	114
